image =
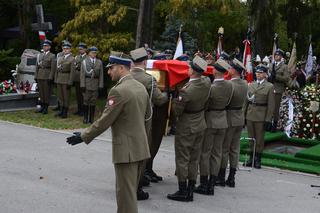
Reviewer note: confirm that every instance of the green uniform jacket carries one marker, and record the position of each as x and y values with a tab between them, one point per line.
235	116
91	75
64	70
282	77
77	67
262	95
126	110
220	95
150	83
190	105
46	66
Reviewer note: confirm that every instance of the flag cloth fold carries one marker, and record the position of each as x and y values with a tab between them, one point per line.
179	49
309	64
247	61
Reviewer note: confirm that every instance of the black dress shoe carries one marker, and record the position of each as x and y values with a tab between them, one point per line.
182	194
145	181
141	195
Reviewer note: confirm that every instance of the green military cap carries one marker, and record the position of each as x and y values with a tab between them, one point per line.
198	64
221	65
261	68
139	55
237	65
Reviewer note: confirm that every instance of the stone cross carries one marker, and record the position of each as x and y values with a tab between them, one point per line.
41	25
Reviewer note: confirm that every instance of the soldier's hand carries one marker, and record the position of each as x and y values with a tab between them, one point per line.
75	139
267	125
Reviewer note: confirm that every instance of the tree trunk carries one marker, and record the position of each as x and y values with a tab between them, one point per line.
24	12
140	23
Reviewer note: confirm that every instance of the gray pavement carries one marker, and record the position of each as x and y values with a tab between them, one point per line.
40	173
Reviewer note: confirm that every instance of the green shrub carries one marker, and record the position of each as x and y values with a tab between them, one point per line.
7	63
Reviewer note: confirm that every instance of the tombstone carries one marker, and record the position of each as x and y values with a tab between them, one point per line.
27	66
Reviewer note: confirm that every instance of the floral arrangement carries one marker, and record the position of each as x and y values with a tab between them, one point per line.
7	87
26	87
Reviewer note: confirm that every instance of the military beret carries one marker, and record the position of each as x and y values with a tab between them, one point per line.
261	68
279	52
114	60
47	42
221	65
66	44
139	55
93	49
237	65
198	64
82	45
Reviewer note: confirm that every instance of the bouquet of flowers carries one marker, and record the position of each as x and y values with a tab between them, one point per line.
26	87
7	87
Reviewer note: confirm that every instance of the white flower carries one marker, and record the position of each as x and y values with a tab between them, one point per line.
308	125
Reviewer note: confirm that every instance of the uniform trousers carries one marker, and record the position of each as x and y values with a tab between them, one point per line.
79	95
256	130
127	179
212	151
231	147
44	90
277	104
90	97
64	94
188	149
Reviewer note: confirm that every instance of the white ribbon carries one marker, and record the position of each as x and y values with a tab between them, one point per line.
290	116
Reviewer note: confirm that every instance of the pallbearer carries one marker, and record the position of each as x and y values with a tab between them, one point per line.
91	79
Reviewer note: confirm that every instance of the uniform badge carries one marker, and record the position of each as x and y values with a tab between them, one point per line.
111	102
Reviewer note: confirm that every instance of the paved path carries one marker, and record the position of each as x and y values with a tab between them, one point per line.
40	173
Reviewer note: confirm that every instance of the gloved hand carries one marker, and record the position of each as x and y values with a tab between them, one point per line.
267	125
75	139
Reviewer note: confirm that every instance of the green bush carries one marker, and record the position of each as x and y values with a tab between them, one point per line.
7	63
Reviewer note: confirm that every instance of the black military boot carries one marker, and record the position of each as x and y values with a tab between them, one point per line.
141	195
211	184
41	108
249	162
57	108
85	114
152	176
60	113
231	180
92	110
203	187
181	194
45	109
257	161
191	185
221	179
274	126
144	180
64	113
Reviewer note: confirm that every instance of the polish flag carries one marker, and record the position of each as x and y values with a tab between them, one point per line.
42	35
247	61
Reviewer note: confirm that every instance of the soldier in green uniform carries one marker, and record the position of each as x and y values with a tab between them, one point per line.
235	118
126	111
157	98
280	78
216	119
63	78
91	79
82	48
45	70
189	108
259	109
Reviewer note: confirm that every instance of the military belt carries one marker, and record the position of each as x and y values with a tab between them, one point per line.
233	107
216	109
192	112
259	104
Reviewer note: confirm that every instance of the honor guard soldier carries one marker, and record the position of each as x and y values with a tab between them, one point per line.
280	78
235	118
91	80
126	111
259	109
82	48
216	119
157	98
189	108
44	74
63	79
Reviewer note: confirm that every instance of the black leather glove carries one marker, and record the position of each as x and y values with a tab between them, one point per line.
267	125
75	139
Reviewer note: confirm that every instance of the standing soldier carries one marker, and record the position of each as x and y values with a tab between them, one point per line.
216	118
259	108
126	112
235	118
44	74
139	57
91	79
63	78
189	110
280	78
82	48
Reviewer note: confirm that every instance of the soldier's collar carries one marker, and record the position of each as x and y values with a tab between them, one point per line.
137	69
123	78
193	79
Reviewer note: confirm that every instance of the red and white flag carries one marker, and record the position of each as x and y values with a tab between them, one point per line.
247	61
42	35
